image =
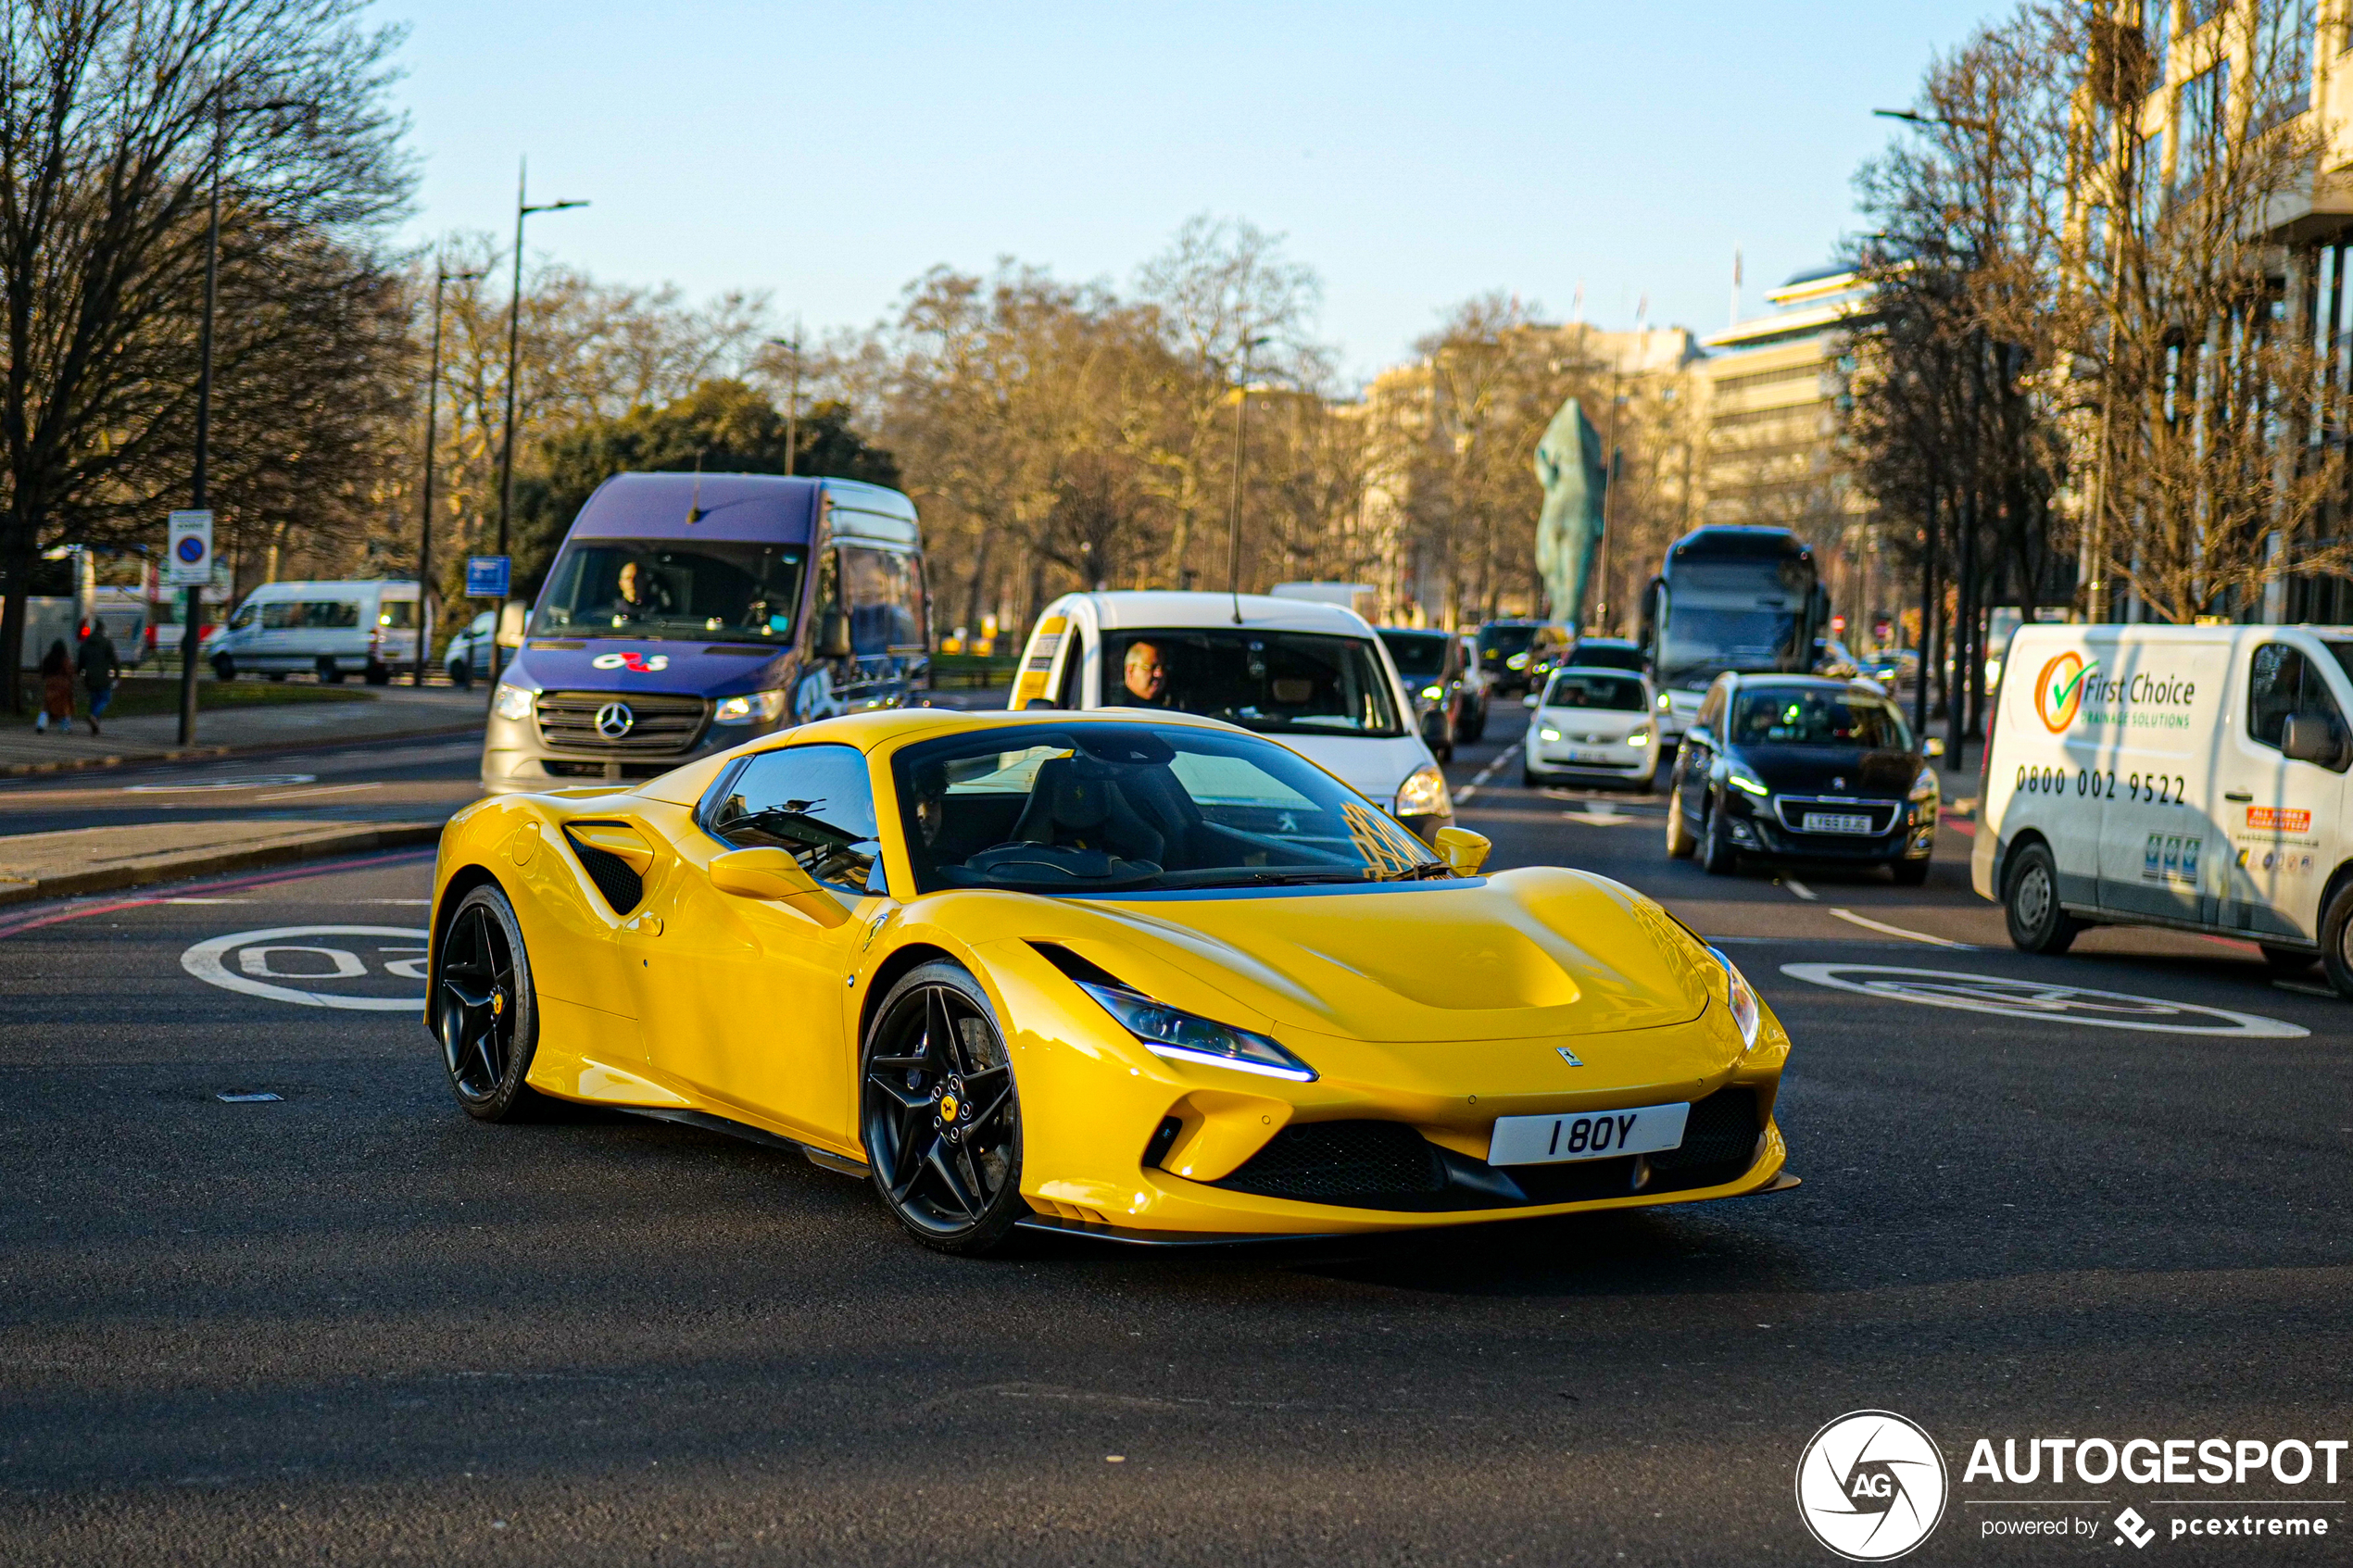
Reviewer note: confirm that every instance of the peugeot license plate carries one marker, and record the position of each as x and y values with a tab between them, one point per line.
1836	821
1590	1134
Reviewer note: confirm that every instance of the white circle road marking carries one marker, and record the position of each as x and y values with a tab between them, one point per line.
257	781
2005	997
204	961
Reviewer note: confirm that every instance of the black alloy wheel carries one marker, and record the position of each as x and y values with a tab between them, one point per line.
487	1014
1716	856
941	1121
2030	903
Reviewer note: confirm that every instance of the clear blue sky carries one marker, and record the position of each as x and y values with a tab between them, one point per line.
1413	153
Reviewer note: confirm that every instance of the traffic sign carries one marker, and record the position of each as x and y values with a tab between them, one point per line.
487	576
188	559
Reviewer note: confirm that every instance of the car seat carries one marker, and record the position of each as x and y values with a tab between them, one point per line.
1075	802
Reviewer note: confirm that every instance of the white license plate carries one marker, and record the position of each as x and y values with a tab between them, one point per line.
1836	821
1594	1135
1586	754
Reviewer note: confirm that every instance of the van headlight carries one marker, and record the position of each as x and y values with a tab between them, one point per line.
1424	794
1925	787
1517	661
1664	704
1747	1015
766	707
1184	1036
511	702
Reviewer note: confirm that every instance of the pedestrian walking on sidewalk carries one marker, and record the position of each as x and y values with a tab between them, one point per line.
57	688
99	666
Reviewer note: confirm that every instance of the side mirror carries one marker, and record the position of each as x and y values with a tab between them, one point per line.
774	874
1531	701
2308	738
511	620
1932	747
1697	736
1037	703
1463	851
833	636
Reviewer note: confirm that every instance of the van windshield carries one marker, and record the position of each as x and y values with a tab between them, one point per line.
1417	653
1275	682
663	588
2344	652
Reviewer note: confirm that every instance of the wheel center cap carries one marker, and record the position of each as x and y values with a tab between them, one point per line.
948	1107
497	1004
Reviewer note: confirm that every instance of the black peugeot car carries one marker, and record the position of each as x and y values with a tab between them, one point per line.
1797	767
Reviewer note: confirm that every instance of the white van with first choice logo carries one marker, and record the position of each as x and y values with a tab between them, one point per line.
2192	777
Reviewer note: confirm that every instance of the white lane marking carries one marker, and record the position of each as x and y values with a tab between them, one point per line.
1597	815
322	789
258	781
204	961
1853	919
2303	990
404	903
1489	772
1798	887
2005	997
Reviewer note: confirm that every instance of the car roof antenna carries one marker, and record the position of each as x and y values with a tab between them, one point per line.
695	513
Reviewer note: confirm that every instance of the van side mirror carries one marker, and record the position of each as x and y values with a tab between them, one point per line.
833	636
2310	738
511	620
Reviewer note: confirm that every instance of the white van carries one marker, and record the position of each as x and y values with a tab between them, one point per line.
2192	777
334	629
1312	675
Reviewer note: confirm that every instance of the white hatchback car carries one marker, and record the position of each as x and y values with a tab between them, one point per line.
1592	726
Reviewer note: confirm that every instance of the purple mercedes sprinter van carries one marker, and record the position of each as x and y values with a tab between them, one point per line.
688	614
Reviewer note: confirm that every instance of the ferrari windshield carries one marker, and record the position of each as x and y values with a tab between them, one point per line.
1049	807
711	590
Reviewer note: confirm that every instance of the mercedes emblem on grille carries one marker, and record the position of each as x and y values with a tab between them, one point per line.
614	720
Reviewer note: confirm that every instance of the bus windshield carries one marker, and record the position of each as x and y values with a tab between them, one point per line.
660	588
1700	643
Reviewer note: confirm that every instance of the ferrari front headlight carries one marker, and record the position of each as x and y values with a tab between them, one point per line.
1184	1036
766	707
1748	1014
511	702
1424	794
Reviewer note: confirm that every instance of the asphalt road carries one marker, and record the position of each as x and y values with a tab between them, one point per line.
374	780
348	1325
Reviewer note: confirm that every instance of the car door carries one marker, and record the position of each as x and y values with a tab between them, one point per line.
743	997
2281	812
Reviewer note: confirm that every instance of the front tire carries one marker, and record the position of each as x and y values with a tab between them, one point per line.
1908	873
1716	856
938	1112
2336	941
223	668
2031	903
486	1009
462	675
1679	842
2289	963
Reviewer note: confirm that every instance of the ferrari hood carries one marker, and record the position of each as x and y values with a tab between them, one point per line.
1538	951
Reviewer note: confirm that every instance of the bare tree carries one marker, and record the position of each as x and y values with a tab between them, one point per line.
113	117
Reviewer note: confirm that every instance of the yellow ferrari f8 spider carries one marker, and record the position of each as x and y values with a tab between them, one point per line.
1141	976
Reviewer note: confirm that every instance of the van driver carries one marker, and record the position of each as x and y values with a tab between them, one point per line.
639	595
1146	675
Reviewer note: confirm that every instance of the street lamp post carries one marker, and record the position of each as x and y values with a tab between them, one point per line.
192	598
514	351
1234	512
442	276
792	399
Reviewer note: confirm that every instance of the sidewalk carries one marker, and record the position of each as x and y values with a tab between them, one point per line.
395	711
52	865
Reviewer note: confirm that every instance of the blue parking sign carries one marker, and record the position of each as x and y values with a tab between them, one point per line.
487	576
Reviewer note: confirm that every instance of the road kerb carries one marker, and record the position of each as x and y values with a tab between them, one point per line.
214	753
293	845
